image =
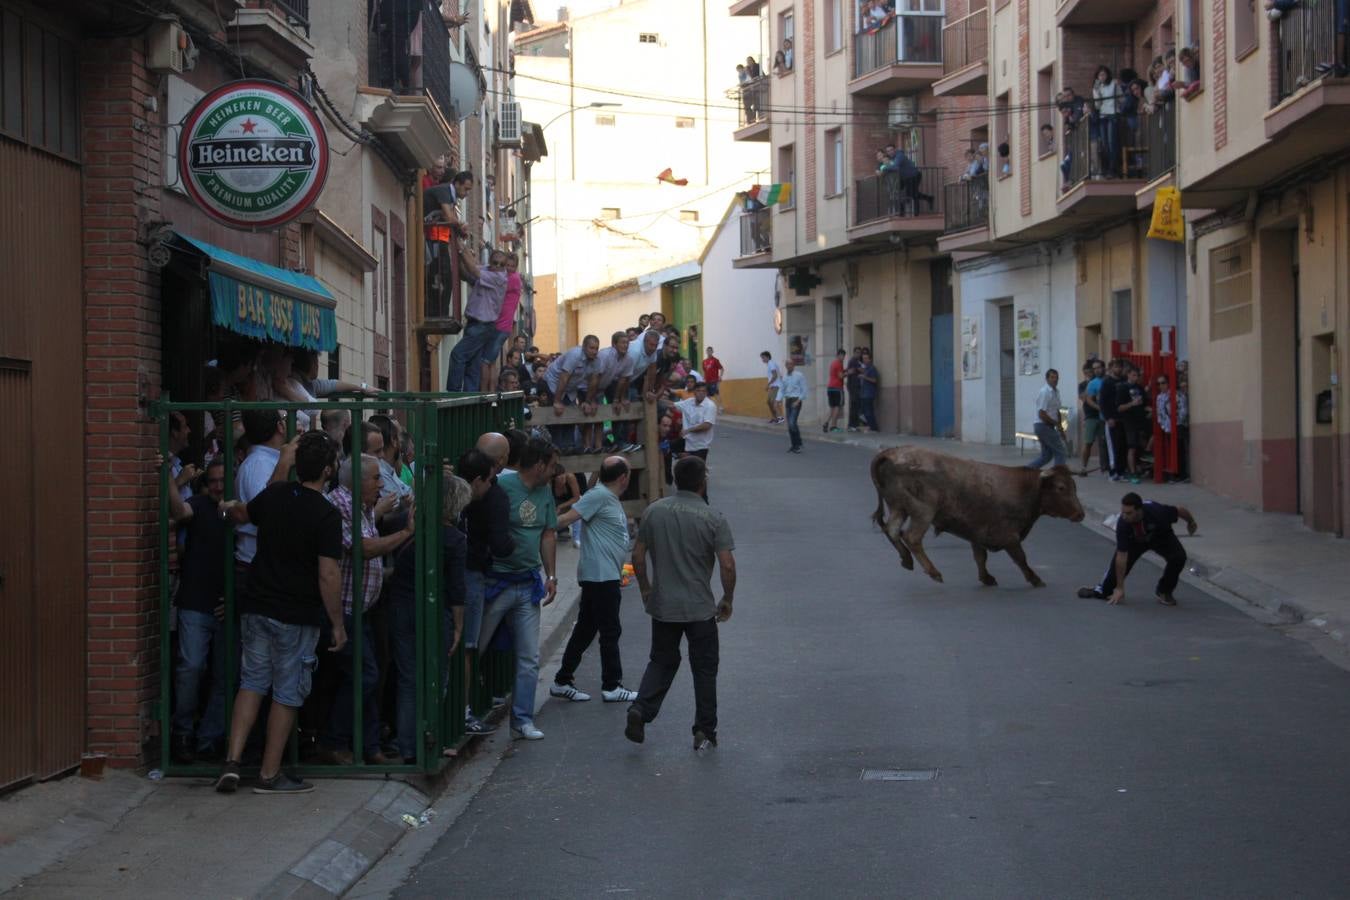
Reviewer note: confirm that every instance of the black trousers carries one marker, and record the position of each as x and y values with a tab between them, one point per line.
665	662
1166	546
854	408
599	614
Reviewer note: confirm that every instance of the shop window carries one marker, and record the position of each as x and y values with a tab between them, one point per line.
1230	290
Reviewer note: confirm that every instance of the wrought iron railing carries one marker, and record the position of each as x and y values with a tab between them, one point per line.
392	64
295	11
1307	45
756	232
965	41
889	195
752	101
965	204
1141	146
903	39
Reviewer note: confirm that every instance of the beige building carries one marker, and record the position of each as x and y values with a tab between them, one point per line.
1255	297
623	94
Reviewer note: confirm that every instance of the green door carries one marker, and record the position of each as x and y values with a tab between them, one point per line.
687	306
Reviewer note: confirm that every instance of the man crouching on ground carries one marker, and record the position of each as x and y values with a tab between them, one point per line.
294	583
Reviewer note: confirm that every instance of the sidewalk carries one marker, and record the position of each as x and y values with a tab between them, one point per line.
1267	560
129	837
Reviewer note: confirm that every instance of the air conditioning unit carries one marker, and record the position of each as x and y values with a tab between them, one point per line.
169	49
902	111
508	123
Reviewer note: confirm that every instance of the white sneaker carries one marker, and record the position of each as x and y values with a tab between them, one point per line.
568	692
620	694
526	732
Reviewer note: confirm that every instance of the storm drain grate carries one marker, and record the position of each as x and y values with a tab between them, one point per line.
899	774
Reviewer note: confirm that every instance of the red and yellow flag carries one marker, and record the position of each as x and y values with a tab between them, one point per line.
669	177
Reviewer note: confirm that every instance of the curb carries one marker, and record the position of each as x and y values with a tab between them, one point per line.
347	853
1227	584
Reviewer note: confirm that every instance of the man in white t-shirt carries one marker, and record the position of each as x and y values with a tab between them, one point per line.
1046	425
700	416
775	375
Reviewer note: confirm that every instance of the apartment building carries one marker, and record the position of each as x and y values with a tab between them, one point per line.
858	249
1056	265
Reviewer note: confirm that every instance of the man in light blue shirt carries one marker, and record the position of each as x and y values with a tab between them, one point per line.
792	393
604	547
480	329
266	433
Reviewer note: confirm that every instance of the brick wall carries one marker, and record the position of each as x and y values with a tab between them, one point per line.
1084	49
1217	64
122	335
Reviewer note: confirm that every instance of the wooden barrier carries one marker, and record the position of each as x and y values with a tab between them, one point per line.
649	474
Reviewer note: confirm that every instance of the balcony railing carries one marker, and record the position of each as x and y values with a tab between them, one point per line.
753	102
295	11
965	41
1307	45
1134	147
887	195
903	39
965	204
392	64
756	232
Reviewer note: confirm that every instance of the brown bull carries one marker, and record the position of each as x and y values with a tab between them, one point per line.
992	507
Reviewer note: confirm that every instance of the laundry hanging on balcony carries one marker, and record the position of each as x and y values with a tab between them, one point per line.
769	194
668	176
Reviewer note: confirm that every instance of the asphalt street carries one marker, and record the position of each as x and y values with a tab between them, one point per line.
1078	750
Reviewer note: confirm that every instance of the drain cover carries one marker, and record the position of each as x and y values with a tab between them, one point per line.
899	774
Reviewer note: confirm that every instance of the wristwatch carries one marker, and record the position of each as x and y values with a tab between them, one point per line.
550	578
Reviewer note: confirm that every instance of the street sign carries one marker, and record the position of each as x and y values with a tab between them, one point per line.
253	154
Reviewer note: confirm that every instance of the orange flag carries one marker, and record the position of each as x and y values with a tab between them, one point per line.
669	177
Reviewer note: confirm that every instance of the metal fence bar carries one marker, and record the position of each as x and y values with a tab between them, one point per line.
165	602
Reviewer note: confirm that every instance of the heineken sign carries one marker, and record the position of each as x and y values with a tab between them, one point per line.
253	154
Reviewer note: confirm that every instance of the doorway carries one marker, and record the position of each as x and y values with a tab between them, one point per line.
942	350
1007	374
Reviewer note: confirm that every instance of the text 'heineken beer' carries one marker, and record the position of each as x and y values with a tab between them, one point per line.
253	154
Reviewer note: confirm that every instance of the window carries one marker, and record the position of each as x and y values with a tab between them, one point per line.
689	215
684	121
647	37
1122	315
786	172
786	33
834	162
1045	115
834	25
1245	27
39	102
997	161
605	120
1194	21
609	212
1230	290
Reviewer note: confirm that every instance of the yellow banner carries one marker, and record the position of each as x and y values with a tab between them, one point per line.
1167	223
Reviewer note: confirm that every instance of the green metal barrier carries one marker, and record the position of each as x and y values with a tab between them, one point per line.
443	426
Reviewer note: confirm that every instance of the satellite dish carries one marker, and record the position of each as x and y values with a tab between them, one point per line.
466	91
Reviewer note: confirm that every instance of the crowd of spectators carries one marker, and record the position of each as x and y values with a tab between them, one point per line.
902	180
1118	409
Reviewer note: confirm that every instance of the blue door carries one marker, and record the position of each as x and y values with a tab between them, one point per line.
944	384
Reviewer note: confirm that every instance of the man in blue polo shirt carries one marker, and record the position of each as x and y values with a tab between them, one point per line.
1142	526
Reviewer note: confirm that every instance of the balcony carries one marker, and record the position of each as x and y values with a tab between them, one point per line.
965	204
1075	13
1104	173
965	57
752	102
407	100
443	310
272	35
902	56
1312	106
747	7
756	239
885	204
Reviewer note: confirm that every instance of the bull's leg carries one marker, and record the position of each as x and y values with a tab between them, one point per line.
913	537
893	527
981	557
1015	552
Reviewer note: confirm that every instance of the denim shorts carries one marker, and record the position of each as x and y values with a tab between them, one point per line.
494	346
277	658
474	584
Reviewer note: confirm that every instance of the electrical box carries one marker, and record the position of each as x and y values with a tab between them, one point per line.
167	47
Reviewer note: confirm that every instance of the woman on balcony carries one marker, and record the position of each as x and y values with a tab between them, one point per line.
1106	97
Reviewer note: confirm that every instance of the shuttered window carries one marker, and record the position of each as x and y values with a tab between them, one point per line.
39	95
1230	290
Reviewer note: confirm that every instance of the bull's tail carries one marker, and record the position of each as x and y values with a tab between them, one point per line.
879	516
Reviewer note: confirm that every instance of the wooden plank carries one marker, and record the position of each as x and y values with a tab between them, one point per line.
590	462
572	415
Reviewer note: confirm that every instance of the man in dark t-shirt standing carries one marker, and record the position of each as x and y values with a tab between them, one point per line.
295	582
1142	526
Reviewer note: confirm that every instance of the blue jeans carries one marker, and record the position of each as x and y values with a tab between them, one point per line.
338	734
867	412
473	607
1052	446
201	637
794	409
514	606
466	360
403	642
